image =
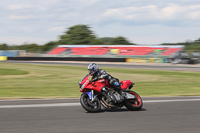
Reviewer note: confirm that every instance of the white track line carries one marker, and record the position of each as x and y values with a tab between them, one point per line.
78	104
175	100
41	105
9	100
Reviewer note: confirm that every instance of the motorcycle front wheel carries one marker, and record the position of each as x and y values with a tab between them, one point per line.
134	104
89	105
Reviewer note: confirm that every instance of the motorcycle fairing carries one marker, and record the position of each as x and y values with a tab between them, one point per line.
86	85
85	78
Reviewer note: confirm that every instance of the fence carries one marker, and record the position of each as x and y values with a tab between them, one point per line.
12	53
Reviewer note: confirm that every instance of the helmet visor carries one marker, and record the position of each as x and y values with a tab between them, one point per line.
90	71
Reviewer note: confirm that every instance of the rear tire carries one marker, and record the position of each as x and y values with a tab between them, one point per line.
134	105
88	105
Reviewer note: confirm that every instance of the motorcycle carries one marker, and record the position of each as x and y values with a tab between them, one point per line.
100	93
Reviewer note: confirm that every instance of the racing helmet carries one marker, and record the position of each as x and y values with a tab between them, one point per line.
93	68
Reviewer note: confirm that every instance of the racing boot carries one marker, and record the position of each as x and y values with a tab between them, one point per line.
121	92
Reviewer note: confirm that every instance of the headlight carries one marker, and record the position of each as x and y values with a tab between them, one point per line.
82	86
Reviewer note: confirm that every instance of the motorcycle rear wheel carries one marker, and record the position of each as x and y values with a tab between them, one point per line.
134	105
88	105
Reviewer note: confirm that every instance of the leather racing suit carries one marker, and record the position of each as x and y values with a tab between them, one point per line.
101	74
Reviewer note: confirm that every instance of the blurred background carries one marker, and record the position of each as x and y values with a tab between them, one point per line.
167	30
79	41
46	46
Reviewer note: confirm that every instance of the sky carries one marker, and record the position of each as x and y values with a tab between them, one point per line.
140	21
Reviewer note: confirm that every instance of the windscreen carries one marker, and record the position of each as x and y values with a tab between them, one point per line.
86	77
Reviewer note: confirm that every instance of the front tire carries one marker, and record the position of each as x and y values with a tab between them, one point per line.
134	105
88	105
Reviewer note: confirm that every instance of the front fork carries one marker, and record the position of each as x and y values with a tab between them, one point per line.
91	95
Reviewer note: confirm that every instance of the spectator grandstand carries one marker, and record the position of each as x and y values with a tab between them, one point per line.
115	50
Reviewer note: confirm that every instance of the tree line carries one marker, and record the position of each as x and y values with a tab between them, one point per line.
82	35
75	35
189	46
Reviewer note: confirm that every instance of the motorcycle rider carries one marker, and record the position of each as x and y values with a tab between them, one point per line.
97	74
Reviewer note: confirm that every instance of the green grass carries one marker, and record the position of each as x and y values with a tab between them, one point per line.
5	71
59	81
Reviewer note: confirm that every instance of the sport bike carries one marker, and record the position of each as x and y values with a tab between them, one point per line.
100	93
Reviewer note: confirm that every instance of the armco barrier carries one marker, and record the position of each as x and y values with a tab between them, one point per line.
68	59
133	60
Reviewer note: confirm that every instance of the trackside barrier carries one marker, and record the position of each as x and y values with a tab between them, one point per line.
92	59
133	60
3	58
147	60
68	59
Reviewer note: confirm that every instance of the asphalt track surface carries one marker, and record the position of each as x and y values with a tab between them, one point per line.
158	115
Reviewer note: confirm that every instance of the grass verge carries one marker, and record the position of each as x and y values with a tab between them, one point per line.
5	71
58	81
